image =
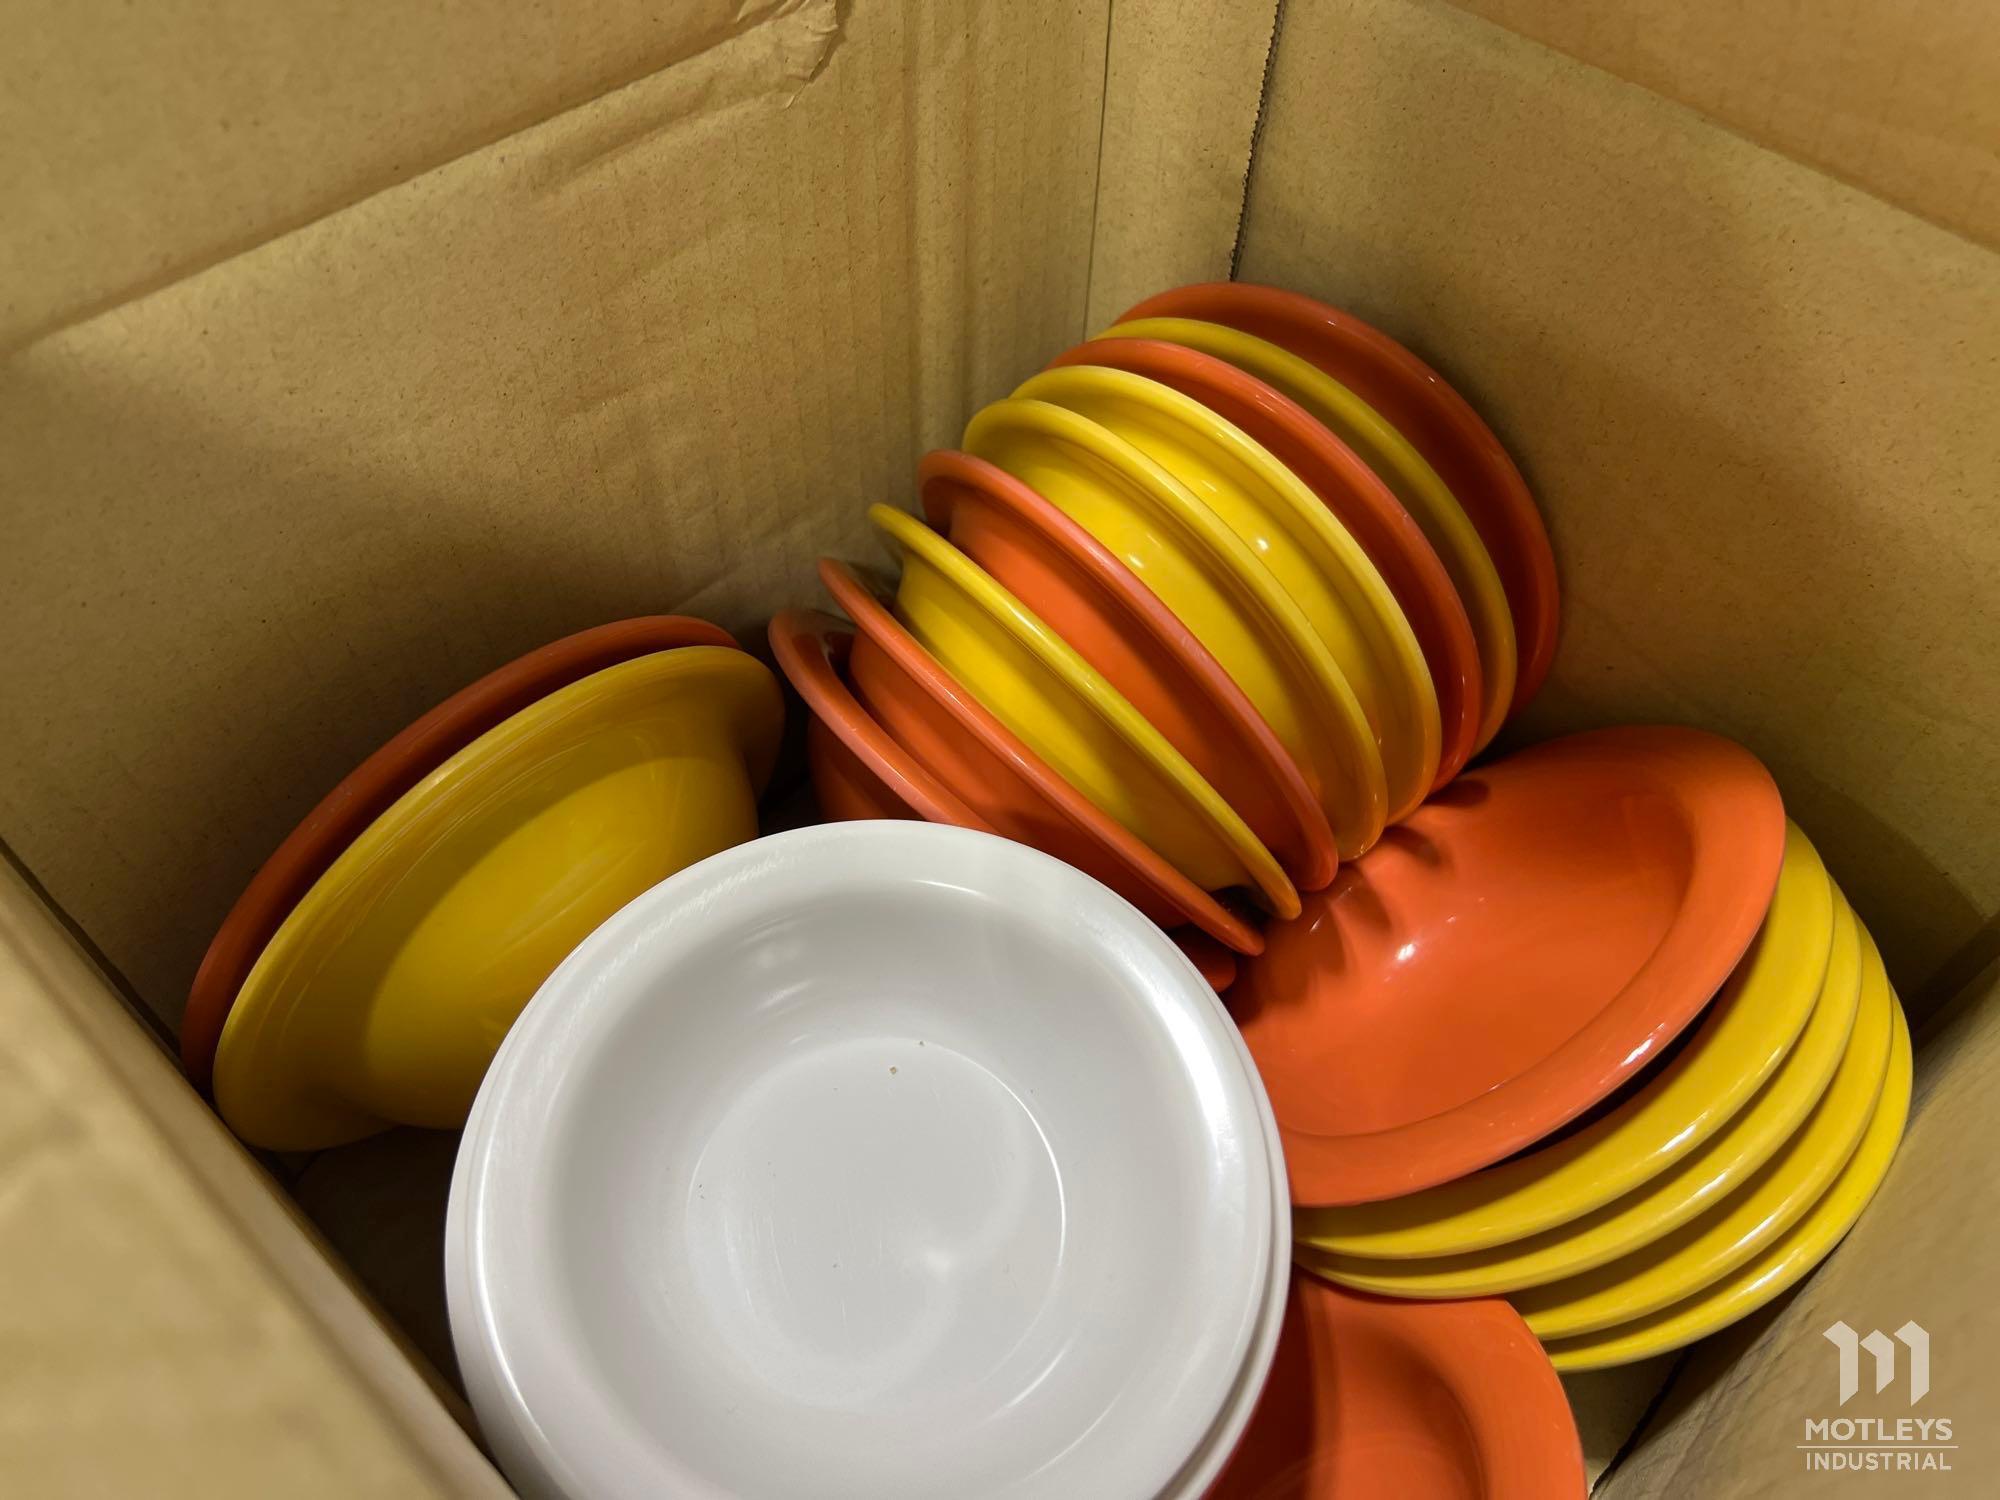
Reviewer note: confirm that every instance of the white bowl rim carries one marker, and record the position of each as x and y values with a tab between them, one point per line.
785	866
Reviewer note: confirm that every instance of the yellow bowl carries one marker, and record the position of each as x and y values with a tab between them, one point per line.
1202	571
1410	478
1781	1264
386	992
1035	684
1746	1034
1306	548
1775	1197
1661	1204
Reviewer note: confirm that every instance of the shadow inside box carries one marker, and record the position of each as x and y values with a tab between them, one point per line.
381	1205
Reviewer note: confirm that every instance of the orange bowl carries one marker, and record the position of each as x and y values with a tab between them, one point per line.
1427	411
859	772
1372	1397
1356	496
951	735
1095	603
1532	938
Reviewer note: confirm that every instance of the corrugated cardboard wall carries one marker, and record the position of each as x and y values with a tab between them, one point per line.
1755	402
329	420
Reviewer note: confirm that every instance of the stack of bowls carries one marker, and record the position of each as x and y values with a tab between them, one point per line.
1593	1030
871	1160
370	969
1202	608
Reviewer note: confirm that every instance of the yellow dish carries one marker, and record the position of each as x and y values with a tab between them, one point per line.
1410	478
1663	1203
1036	685
1796	1252
1214	584
1706	1249
1307	550
386	992
1740	1042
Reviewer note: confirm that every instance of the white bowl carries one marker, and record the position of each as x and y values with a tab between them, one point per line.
878	1160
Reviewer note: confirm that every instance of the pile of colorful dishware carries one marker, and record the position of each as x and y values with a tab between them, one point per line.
1201	609
1593	1030
883	1159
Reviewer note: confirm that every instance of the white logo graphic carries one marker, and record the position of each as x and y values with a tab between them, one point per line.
1911	1335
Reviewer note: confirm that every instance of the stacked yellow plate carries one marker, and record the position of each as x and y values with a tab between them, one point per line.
1242	573
1693	1199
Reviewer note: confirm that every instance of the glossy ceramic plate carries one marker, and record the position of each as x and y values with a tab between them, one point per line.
1355	494
1528	941
1304	545
1740	1042
1369	1397
366	792
1662	1203
859	771
963	1188
1202	571
1096	604
1414	483
382	997
1775	1197
1781	1265
947	731
1427	411
1064	710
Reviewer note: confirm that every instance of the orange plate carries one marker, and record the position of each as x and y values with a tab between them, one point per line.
368	790
987	767
859	772
1095	603
1353	492
1427	411
1370	1397
1527	941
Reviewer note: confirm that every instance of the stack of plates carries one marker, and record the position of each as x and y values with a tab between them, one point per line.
1594	1031
873	1160
368	972
1202	608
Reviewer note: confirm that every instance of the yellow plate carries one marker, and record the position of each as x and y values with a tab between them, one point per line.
1775	1197
1398	464
1739	1043
1663	1203
384	995
1796	1252
1306	548
1036	685
1215	586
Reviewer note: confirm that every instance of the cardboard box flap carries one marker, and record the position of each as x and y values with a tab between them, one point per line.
148	142
168	1325
656	353
1899	99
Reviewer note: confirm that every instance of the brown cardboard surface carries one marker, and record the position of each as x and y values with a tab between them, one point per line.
1754	403
1184	80
1898	98
1922	1253
147	141
654	354
167	1326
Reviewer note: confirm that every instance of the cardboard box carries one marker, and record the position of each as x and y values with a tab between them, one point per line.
350	352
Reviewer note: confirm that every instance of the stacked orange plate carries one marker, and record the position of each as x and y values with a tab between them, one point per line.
1196	608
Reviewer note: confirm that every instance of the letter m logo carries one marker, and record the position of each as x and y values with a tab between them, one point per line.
1850	1344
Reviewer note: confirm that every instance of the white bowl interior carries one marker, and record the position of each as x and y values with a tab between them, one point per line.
903	1190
